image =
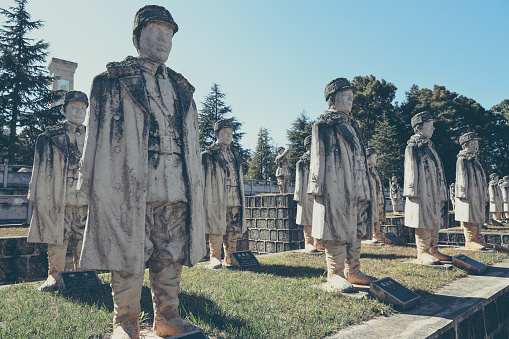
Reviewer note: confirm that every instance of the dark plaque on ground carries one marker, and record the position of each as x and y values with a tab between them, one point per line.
392	239
470	264
244	259
190	335
79	279
392	292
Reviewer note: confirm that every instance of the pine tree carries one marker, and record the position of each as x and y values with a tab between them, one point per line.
263	164
25	97
389	150
214	109
301	128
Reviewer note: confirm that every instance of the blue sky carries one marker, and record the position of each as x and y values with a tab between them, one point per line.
273	58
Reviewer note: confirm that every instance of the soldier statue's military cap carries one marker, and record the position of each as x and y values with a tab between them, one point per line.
422	117
75	96
307	141
493	176
223	123
467	137
279	148
336	85
370	150
150	13
506	178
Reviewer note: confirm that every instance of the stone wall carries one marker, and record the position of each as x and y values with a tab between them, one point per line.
22	261
396	225
271	224
457	238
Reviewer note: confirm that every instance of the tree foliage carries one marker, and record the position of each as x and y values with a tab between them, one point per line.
214	109
390	151
25	97
301	128
372	99
263	164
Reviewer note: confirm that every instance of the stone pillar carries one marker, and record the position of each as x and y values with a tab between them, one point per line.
64	70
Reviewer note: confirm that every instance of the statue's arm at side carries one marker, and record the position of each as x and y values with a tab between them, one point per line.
297	195
317	163
461	179
40	144
491	189
411	176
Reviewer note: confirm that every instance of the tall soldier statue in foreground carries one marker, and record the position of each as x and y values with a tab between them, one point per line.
224	194
471	192
60	211
141	167
338	178
425	189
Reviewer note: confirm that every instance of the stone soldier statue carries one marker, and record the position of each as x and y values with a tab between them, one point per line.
504	187
304	200
60	211
141	167
283	169
496	200
395	194
471	192
452	195
377	196
425	190
338	178
224	194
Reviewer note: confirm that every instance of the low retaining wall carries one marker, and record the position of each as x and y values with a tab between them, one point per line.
271	224
457	238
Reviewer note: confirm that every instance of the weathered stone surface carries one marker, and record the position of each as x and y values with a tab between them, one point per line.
264	234
284	236
260	246
503	307
264	213
261	223
283	213
37	267
271	223
269	201
272	213
253	246
254	234
470	264
491	320
250	223
256	213
258	201
270	247
280	224
248	212
449	334
493	238
18	246
13	269
472	327
273	235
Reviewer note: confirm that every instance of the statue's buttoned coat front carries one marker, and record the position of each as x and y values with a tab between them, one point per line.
114	169
304	200
425	187
471	189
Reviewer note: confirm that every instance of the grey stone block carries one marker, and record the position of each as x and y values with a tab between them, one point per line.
254	234
297	235
270	247
273	235
272	213
505	238
503	307
252	246
271	223
490	317
269	201
280	224
18	246
260	246
290	224
471	327
261	223
284	236
280	247
255	212
41	248
242	245
492	238
283	213
264	213
248	212
258	201
288	246
250	223
13	269
264	234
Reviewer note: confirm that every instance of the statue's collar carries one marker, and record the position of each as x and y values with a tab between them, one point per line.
419	141
467	154
152	67
333	116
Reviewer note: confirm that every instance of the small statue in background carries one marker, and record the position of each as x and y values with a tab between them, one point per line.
496	199
452	195
283	169
378	196
504	187
395	194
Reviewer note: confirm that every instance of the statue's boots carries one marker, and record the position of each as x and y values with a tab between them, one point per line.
434	247
478	238
423	243
215	246
335	254
352	265
319	244
56	263
470	230
126	291
165	284
377	235
230	245
309	243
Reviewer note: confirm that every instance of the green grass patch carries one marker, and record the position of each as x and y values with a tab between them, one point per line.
277	300
13	231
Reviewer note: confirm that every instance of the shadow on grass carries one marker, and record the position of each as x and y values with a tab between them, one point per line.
390	256
205	310
289	271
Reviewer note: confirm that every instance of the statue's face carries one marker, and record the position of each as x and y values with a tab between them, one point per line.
281	150
427	129
343	100
372	159
155	41
225	136
473	146
75	112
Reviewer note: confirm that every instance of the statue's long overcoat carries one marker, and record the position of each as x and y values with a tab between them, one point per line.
115	166
338	178
504	188
425	187
378	196
496	200
214	171
304	200
48	186
471	189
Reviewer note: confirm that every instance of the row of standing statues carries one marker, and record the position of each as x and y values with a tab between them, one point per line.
132	188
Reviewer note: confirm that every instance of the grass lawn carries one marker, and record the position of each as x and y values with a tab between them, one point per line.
277	300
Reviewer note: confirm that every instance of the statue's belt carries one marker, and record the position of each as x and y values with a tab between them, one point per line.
167	145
